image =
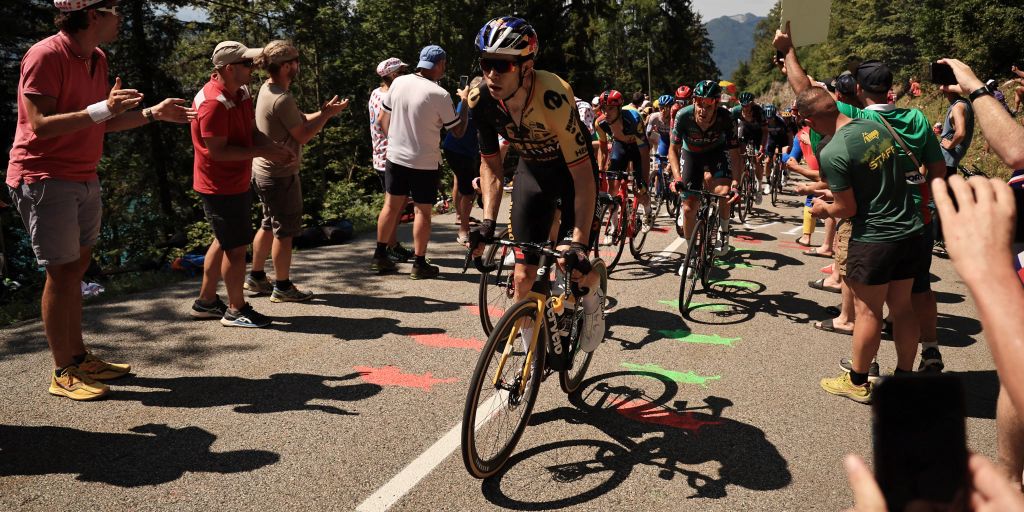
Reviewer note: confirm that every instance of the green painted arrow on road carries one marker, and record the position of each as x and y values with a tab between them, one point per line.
703	306
702	339
674	376
737	284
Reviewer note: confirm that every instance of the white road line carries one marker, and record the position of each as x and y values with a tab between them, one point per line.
668	251
795	230
405	480
759	226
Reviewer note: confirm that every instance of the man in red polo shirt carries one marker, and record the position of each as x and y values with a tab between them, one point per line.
65	105
226	140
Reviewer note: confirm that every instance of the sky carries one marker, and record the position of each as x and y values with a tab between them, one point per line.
711	9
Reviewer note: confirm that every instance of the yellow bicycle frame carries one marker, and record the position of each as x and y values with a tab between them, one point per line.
538	323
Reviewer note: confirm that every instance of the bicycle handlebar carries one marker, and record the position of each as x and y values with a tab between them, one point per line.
583	266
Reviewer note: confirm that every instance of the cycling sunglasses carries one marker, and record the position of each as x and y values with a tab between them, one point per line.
706	102
114	9
498	65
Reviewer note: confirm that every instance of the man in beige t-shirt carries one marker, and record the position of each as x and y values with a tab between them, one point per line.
278	186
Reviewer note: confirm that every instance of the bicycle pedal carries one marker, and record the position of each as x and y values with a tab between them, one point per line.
547	373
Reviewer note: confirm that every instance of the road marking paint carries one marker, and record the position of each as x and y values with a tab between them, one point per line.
644	411
680	377
668	251
795	231
758	226
393	376
686	336
445	341
703	306
408	477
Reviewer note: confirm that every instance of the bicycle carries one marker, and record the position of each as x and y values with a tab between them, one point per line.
747	186
514	367
700	255
660	193
775	178
620	220
497	281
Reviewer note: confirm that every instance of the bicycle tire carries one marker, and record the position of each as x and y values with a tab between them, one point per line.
658	190
711	227
481	466
672	202
748	198
497	291
696	245
636	242
776	180
617	233
570	378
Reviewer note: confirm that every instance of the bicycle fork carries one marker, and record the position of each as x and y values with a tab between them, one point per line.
538	322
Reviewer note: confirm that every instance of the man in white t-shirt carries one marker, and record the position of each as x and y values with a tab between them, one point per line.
415	111
388	70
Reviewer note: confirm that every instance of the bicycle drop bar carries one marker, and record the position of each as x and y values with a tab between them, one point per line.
535	248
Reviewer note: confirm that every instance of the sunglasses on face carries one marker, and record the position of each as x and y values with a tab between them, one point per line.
705	102
247	63
114	9
497	65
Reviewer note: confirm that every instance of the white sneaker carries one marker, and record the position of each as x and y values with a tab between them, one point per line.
767	188
645	223
688	270
722	246
593	323
757	195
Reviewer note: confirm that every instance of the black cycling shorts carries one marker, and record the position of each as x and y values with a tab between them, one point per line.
775	146
537	193
625	154
696	164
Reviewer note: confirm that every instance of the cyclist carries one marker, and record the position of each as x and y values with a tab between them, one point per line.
625	128
535	112
703	135
750	122
778	137
684	96
658	126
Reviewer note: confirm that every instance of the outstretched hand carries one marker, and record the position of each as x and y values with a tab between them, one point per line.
173	110
967	81
120	100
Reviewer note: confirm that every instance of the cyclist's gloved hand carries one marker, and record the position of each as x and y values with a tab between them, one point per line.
575	258
676	186
482	234
734	195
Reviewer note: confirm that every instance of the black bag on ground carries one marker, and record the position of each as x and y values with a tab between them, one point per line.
310	237
337	231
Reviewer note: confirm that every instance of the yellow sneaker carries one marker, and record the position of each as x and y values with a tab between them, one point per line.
842	386
76	385
98	369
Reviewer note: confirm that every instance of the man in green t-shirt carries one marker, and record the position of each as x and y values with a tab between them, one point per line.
873	81
886	246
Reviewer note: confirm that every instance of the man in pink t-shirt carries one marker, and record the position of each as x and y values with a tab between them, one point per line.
65	106
226	140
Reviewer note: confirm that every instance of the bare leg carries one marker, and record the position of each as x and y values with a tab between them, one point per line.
282	258
926	310
387	221
261	247
61	305
232	268
464	207
867	331
421	228
830	236
906	330
211	272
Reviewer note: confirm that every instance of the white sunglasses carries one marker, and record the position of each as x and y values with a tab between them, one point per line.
115	10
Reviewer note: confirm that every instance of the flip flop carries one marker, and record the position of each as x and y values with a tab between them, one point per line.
833	310
814	252
805	244
829	326
820	285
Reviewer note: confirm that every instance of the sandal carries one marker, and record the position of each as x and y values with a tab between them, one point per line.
805	244
814	252
830	326
462	239
820	285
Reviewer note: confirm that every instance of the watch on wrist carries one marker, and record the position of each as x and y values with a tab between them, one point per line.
979	92
148	113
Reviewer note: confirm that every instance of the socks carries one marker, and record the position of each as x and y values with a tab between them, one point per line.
258	274
381	251
79	359
858	379
283	284
421	261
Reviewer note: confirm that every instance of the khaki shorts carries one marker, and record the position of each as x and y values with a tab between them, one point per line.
60	216
842	245
282	204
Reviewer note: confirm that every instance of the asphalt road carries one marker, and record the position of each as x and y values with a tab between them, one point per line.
350	400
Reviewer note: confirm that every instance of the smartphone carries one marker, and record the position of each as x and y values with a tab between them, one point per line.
941	74
920	442
463	82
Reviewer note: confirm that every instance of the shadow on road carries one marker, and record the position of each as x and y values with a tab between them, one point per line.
278	393
711	452
400	304
152	455
653	320
349	328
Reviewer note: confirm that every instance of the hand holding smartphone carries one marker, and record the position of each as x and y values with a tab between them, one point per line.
920	442
941	74
463	82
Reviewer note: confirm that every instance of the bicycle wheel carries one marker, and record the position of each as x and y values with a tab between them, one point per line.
672	202
571	378
498	405
658	190
711	226
776	181
636	242
613	229
694	258
749	192
497	289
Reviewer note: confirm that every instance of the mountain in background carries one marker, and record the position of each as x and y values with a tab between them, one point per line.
733	37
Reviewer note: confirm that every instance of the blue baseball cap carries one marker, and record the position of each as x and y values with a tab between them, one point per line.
430	56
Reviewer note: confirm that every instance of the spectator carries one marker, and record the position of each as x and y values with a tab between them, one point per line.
463	156
870	189
278	186
1018	92
388	70
957	130
415	111
993	87
915	87
226	140
982	226
65	105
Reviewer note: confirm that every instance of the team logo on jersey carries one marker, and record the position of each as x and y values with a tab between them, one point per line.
554	100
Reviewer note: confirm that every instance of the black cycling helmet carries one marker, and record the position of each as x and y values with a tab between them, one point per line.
707	89
770	110
746	98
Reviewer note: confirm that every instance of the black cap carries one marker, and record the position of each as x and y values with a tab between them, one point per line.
846	84
830	84
874	76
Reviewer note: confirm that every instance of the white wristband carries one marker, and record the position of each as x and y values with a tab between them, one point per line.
99	111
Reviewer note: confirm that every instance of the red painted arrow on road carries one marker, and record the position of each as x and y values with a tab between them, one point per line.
445	341
393	376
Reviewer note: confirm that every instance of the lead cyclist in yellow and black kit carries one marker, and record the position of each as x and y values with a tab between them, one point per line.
535	111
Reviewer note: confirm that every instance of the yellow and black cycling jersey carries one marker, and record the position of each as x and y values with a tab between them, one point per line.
549	132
